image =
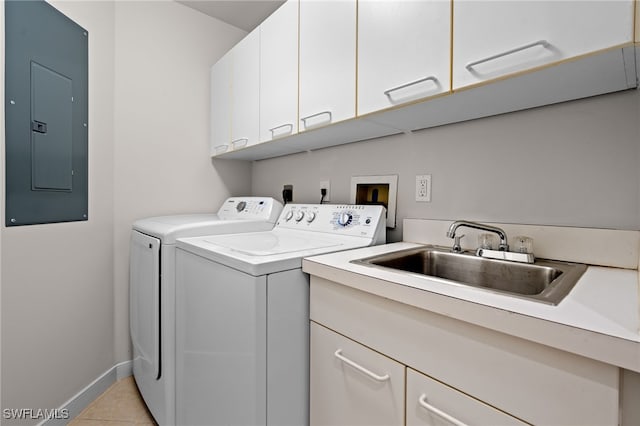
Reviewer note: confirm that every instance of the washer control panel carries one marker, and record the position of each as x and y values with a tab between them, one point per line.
255	208
346	219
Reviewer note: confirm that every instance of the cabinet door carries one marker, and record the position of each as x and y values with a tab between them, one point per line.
403	51
327	62
497	38
279	73
245	107
432	403
637	22
220	101
351	384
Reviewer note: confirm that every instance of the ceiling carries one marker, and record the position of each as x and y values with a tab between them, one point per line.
244	14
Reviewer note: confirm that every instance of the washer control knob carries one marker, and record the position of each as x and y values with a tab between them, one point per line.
299	216
241	206
289	215
345	219
311	216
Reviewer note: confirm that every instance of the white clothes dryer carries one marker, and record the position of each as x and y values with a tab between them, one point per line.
242	315
152	289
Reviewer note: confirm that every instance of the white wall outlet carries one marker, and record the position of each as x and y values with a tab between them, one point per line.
326	184
423	188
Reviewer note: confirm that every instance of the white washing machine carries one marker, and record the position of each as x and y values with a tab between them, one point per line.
242	315
152	289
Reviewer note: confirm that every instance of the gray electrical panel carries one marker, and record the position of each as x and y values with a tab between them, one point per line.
46	111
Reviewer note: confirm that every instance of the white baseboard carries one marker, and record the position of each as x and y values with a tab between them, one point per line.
82	399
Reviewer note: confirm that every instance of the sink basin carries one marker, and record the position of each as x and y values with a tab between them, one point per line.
543	281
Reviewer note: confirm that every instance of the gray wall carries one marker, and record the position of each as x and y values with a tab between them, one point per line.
571	164
64	288
57	279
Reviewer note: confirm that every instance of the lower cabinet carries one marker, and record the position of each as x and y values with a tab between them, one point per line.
352	384
432	403
375	361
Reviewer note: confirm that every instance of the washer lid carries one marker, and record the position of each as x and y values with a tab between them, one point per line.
271	243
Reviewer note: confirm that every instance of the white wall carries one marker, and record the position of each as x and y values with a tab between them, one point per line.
64	288
57	279
572	164
163	53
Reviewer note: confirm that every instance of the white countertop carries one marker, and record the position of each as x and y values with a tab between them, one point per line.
599	318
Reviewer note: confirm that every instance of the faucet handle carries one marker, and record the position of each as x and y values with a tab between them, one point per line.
457	248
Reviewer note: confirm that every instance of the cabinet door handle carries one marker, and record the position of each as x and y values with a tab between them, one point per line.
221	148
412	83
239	143
449	418
304	119
374	376
543	43
282	126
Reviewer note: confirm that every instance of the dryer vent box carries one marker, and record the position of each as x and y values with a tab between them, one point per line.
377	190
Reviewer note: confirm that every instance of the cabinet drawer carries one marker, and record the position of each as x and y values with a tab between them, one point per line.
432	403
352	384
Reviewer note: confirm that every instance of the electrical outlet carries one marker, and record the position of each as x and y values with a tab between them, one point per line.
326	184
423	188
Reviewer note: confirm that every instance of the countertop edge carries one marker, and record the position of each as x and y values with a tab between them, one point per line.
595	345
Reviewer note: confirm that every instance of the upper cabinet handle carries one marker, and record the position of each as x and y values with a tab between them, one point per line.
221	148
449	418
273	130
239	143
304	119
374	376
542	43
412	83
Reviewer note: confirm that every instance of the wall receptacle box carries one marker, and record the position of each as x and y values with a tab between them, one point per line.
379	190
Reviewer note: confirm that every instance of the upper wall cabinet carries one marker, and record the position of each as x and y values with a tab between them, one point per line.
235	95
327	62
245	110
637	21
403	52
279	73
319	73
496	38
220	105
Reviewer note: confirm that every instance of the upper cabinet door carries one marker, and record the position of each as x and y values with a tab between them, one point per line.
403	52
279	73
327	62
220	102
245	106
637	23
497	38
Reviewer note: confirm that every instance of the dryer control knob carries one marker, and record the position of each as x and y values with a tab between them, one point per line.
289	215
299	216
345	219
310	217
241	206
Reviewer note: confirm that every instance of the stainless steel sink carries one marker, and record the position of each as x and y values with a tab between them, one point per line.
543	281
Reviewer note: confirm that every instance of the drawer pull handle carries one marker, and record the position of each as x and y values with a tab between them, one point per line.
327	113
374	376
239	143
219	149
449	418
387	93
543	43
282	126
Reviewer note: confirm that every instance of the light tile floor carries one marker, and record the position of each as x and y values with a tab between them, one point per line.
120	405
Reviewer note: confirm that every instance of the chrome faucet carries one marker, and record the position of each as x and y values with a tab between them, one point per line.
451	233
